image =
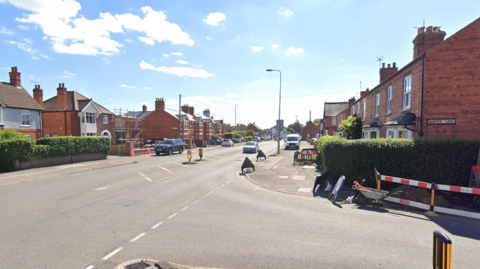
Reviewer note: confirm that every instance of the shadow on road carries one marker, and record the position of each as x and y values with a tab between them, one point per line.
459	227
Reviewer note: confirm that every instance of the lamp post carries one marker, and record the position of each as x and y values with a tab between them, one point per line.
279	105
296	124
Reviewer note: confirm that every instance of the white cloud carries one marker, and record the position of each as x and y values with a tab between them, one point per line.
177	53
294	51
166	55
214	18
178	71
29	49
44	37
6	31
27	40
285	12
246	95
231	95
145	103
236	39
181	62
106	60
72	33
129	40
275	46
209	38
257	48
127	86
67	74
147	40
23	27
147	88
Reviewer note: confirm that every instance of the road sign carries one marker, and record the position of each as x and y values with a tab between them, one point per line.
189	155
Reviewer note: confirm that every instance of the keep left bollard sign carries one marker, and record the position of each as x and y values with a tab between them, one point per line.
189	155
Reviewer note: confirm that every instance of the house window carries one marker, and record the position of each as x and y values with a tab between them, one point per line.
389	99
25	117
55	135
136	125
29	137
358	109
334	121
91	134
364	108
105	119
47	135
353	110
407	87
1	116
89	118
377	105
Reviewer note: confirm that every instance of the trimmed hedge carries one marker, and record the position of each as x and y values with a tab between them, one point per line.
24	149
440	160
231	136
249	138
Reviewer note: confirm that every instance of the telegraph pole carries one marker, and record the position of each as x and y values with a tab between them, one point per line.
179	114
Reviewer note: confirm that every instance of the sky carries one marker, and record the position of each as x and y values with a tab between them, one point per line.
124	54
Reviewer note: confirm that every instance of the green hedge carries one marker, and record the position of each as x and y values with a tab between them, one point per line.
249	138
24	149
445	161
231	136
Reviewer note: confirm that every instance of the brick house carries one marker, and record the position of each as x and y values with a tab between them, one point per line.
257	131
70	113
437	94
227	128
330	112
18	110
310	131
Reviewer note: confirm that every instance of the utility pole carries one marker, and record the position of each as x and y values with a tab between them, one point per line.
179	114
311	125
235	130
296	124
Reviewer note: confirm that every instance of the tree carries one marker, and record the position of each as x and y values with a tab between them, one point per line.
352	127
296	127
240	127
214	137
317	121
250	133
11	135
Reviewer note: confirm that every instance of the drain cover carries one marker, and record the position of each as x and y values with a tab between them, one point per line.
126	202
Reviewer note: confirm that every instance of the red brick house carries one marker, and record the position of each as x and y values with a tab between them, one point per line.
437	94
70	113
310	131
18	110
330	112
257	131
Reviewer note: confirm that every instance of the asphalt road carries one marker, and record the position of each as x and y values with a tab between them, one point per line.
204	214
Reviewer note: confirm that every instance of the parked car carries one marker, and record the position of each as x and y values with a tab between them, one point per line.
227	143
219	141
151	141
251	146
169	146
293	141
257	139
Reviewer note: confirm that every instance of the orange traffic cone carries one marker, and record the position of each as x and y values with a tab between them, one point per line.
132	155
194	146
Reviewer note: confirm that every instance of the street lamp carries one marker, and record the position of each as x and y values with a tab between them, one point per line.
296	124
279	105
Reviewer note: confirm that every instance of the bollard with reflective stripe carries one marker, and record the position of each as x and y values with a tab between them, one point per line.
442	251
200	153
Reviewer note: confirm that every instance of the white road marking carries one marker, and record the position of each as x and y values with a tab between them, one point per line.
112	253
172	216
195	202
305	190
217	188
138	236
148	179
165	169
156	225
298	177
141	174
275	167
210	192
183	209
227	182
144	176
162	178
283	176
90	267
181	164
223	185
94	200
102	188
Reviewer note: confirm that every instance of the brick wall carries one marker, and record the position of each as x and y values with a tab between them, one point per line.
61	123
106	126
160	124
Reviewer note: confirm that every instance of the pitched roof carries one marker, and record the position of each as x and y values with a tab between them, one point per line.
183	115
17	97
138	114
255	126
332	109
75	102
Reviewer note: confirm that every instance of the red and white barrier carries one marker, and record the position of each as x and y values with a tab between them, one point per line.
458	189
426	185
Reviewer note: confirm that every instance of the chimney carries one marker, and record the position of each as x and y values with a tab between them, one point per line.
185	108
387	72
15	77
362	93
38	95
350	101
61	97
190	110
144	108
206	113
159	104
427	39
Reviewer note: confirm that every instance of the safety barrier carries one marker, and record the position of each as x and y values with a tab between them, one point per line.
433	187
442	251
306	156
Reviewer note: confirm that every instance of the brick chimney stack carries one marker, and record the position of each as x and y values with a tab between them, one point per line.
191	110
144	108
38	95
362	93
61	97
159	104
185	108
15	77
206	113
350	102
427	39
386	72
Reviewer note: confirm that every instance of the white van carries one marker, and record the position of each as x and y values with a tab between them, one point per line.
293	141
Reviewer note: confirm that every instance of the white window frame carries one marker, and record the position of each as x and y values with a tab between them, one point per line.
407	92
358	109
136	125
377	104
88	115
389	99
105	119
364	109
22	114
91	134
1	116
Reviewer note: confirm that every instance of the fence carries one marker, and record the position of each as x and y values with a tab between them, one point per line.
433	187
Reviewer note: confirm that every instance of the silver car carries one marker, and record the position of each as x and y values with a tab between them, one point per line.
251	146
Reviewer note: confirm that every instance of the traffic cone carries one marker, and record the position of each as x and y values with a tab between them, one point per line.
148	150
132	155
194	146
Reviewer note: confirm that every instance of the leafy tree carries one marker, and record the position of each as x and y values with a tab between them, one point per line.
250	133
11	135
296	127
240	127
352	127
214	137
317	121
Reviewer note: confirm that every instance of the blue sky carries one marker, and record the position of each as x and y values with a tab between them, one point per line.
214	53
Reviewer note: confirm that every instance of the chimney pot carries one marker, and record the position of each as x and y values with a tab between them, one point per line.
421	30
394	64
429	29
15	77
383	65
38	95
435	29
388	65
